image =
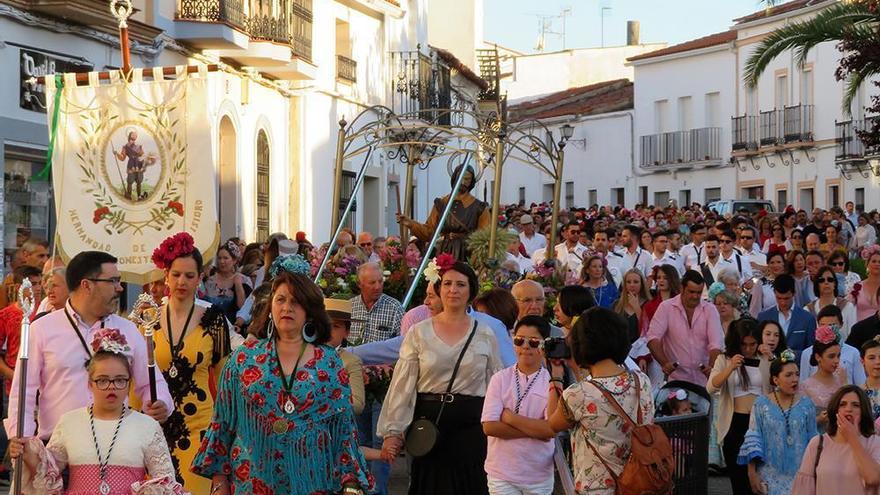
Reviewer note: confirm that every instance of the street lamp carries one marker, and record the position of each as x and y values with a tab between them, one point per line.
567	132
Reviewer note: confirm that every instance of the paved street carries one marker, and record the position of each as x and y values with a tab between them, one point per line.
717	485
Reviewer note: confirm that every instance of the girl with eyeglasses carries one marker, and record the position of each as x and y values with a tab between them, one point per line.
518	401
107	448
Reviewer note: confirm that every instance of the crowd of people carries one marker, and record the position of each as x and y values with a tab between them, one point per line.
268	383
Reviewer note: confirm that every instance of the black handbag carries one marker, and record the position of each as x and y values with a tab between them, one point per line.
422	434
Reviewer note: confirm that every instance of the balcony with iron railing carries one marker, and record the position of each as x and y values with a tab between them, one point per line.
769	134
419	83
850	146
682	148
230	24
346	69
797	124
745	133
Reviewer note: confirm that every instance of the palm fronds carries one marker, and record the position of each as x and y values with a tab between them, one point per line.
832	24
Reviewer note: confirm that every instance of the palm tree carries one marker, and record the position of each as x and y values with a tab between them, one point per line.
852	23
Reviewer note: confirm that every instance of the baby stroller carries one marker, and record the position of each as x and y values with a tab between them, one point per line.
688	433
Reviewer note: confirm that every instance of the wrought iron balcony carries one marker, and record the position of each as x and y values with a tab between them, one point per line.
346	69
769	127
288	22
849	145
681	147
798	124
225	11
419	83
745	133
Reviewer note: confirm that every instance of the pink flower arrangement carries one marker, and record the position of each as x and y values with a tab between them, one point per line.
110	340
176	246
826	335
869	251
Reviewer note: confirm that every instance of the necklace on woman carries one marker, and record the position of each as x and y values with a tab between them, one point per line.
104	487
175	348
529	383
288	404
786	413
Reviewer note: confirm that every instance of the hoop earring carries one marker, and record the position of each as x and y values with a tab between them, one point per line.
270	330
309	333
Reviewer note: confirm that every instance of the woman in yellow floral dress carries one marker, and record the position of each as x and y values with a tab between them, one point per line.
190	341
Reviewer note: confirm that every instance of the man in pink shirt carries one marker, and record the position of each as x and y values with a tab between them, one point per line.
59	350
685	334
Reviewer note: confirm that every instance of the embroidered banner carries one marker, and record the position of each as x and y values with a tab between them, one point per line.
133	164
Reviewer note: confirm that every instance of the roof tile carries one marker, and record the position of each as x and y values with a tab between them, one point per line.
704	42
603	97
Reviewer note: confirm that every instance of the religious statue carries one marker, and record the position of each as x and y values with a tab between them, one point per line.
467	215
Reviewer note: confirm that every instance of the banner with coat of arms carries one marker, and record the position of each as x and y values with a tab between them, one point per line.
132	164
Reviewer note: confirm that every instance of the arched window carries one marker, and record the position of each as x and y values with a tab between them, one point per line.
262	186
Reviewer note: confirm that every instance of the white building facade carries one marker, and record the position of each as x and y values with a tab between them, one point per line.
290	70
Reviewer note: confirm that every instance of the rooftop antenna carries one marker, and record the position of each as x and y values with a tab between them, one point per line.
545	27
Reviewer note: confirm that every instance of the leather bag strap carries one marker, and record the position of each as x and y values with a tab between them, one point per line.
455	373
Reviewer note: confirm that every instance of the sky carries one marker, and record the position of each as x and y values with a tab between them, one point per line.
515	23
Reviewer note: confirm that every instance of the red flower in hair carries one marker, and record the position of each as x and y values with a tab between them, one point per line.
445	261
176	246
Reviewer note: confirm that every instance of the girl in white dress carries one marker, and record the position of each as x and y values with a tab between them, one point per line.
108	448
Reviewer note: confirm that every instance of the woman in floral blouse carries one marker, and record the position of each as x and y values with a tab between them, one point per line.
283	421
599	343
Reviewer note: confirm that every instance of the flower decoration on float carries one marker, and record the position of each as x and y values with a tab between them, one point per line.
869	251
827	334
176	246
110	340
290	263
787	356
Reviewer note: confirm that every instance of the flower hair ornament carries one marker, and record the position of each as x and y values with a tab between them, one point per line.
176	246
827	334
787	356
110	340
677	394
233	249
715	289
869	251
438	266
290	263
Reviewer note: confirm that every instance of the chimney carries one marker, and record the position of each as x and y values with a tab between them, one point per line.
632	33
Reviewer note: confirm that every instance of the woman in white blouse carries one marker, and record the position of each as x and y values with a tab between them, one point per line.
421	377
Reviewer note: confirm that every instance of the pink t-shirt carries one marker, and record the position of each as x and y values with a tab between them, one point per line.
534	458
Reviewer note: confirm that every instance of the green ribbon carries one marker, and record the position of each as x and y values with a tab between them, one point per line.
53	130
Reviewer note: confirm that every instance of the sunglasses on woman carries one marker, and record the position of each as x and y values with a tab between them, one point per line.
534	342
829	280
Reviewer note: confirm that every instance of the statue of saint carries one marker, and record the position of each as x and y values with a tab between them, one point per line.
467	215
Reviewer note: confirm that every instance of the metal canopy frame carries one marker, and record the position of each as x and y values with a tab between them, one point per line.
480	140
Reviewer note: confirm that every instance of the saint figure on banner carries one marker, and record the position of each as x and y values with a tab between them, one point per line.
138	161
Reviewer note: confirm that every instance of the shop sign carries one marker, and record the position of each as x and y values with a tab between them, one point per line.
34	64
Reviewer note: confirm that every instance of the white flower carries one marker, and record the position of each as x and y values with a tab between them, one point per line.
343	284
386	273
432	272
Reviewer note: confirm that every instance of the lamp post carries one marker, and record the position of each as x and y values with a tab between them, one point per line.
566	131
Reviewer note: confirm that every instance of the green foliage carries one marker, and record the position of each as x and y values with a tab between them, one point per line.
478	245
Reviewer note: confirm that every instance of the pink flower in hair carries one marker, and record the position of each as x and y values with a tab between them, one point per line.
110	340
826	335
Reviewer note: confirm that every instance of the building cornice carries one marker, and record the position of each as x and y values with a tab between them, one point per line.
785	15
728	46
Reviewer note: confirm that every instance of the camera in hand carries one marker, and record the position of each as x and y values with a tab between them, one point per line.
556	348
754	363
